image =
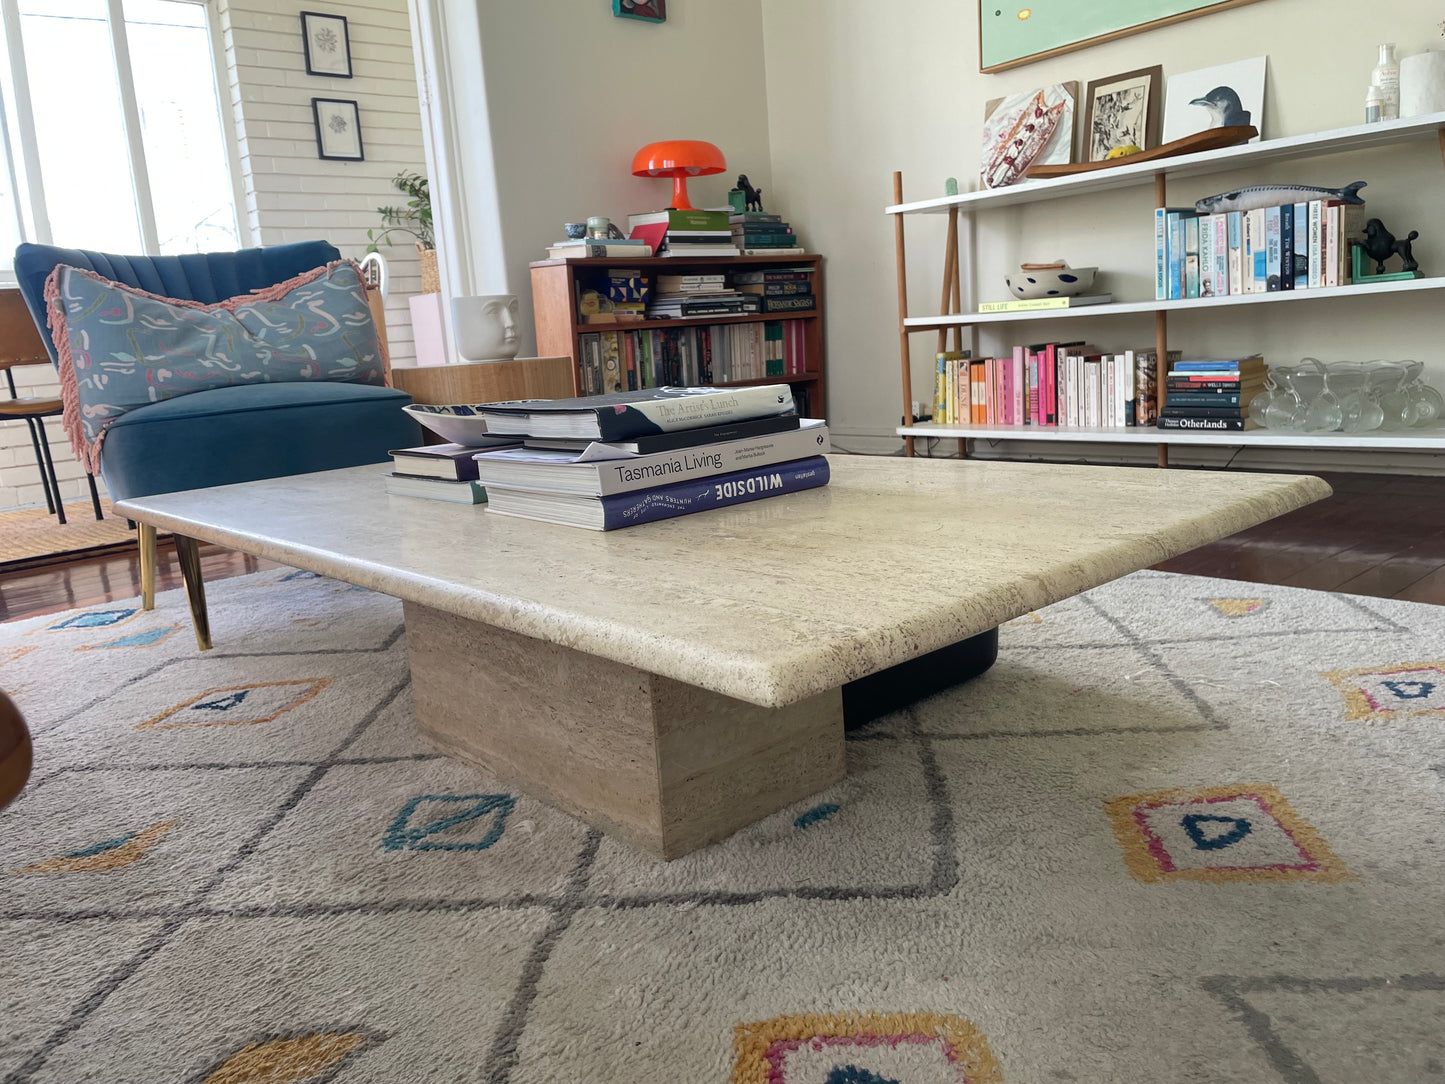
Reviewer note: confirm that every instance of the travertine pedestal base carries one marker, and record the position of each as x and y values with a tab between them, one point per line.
666	767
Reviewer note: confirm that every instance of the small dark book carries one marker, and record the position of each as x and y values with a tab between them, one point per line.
683	438
452	462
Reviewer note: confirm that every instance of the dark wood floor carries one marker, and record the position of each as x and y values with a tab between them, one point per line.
1380	534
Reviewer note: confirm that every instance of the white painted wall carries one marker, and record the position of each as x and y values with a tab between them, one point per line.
290	194
567	93
857	89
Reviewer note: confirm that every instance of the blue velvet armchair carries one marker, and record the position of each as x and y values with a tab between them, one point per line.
223	435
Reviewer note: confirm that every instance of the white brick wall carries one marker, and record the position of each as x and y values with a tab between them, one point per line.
291	194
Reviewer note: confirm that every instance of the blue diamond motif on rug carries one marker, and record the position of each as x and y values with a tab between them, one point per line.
449	822
136	639
851	1074
1410	690
223	703
1239	828
94	619
816	814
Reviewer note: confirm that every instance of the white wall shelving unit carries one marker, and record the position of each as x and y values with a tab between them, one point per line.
1158	172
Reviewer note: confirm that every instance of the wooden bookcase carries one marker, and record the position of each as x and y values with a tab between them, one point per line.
555	295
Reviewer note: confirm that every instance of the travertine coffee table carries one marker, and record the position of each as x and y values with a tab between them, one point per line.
673	682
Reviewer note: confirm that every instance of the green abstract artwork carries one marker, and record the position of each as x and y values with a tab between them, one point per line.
1010	34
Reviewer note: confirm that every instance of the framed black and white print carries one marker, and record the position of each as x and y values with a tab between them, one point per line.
338	129
327	44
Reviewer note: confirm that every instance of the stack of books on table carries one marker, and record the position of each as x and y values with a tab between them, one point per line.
612	461
757	233
1212	395
777	289
442	472
684	233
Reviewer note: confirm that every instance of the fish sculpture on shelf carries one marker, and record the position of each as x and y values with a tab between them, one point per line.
1275	195
1015	152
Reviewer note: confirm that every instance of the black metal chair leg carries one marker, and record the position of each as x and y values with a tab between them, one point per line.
30	424
50	468
94	496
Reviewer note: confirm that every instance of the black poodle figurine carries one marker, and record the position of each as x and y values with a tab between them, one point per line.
753	195
1380	245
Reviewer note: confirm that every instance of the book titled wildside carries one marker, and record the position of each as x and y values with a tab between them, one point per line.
436	489
557	471
1039	304
660	502
1205	424
631	414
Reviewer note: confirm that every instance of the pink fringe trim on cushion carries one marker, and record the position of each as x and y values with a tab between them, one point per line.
89	452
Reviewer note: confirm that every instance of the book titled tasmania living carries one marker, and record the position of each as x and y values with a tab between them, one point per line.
660	502
560	471
632	414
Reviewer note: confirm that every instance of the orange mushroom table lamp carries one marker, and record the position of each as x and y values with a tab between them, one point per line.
678	159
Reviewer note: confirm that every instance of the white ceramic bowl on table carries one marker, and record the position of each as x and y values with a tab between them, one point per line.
1050	282
460	424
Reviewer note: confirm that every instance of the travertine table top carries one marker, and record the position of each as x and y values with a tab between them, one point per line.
767	602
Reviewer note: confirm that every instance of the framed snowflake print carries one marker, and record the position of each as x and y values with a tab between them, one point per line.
327	44
338	129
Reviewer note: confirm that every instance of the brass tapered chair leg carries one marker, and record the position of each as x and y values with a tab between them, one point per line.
189	557
146	536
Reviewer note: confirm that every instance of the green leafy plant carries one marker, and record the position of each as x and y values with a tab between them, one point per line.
414	217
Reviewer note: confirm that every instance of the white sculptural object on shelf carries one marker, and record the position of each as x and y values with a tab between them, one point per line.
486	327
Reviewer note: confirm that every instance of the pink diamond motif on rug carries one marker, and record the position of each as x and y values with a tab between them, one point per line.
1218	834
1402	691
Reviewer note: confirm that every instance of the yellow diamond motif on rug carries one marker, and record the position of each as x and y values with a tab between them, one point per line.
10	654
288	1061
237	705
862	1048
103	857
1402	691
1238	607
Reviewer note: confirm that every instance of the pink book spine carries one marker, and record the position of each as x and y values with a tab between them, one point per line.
989	401
1020	391
1051	391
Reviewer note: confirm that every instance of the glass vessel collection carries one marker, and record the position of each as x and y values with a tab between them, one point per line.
1348	397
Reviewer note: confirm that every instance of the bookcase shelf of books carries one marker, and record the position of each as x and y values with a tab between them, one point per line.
1157	173
557	286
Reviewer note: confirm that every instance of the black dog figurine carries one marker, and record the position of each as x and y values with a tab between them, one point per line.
1380	245
754	196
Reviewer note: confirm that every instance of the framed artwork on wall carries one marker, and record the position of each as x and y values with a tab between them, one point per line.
1016	32
338	129
1035	127
327	43
1122	111
1218	97
652	11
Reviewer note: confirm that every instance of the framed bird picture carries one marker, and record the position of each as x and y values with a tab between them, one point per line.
1217	97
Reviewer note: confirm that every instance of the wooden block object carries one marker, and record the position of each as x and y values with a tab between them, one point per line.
666	767
487	382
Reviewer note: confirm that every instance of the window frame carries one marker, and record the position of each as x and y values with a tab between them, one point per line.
32	214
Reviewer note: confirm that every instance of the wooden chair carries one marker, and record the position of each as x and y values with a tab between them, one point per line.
15	751
20	344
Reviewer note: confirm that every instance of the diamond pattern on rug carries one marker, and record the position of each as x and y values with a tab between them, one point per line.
149	638
449	822
238	705
93	619
289	1059
862	1048
110	854
1238	607
1239	833
10	654
1400	691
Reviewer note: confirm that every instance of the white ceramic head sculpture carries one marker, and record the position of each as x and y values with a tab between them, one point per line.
486	327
